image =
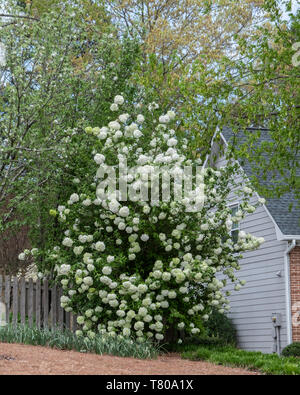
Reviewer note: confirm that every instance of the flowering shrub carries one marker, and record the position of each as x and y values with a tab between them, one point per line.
138	267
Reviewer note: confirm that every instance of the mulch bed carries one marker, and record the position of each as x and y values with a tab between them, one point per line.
18	359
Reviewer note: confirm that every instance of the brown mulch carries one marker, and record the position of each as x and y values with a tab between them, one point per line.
18	359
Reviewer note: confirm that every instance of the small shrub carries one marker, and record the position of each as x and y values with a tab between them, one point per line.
292	350
220	326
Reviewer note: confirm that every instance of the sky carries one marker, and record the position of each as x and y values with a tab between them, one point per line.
295	7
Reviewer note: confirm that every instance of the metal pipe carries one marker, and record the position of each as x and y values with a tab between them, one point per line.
288	291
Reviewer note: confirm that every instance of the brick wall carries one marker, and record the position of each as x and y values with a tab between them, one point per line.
295	291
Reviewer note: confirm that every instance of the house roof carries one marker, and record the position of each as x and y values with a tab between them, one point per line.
288	220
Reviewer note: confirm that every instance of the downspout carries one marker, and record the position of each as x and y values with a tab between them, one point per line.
288	290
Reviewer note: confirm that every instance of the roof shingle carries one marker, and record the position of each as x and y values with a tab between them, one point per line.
288	220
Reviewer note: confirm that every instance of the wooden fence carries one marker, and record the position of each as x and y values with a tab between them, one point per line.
34	304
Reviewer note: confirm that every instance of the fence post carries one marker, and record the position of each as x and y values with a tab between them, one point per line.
30	303
53	306
7	298
68	320
38	303
46	303
60	310
23	300
2	304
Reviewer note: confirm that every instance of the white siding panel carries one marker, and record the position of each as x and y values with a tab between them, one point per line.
264	292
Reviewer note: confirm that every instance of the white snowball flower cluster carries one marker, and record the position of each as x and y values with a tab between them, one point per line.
135	267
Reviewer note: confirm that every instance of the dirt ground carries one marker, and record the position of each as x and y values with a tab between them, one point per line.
18	359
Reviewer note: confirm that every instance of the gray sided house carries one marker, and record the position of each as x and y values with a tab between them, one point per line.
266	311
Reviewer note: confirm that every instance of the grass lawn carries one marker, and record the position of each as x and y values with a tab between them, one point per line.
231	356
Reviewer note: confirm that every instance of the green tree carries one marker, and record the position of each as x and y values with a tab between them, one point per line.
256	86
59	74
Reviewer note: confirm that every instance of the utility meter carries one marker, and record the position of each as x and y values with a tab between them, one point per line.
276	319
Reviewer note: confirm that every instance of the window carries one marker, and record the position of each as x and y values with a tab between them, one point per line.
235	226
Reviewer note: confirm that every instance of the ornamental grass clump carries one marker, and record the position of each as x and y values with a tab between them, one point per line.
66	340
137	257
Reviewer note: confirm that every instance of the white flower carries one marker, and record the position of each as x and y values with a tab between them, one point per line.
139	325
144	237
153	106
67	242
121	226
89	313
64	269
119	99
183	290
204	227
171	114
157	274
90	267
172	294
100	246
166	276
78	250
140	118
242	234
142	311
142	288
106	270
181	325
114	125
172	142
124	211
126	332
64	299
137	134
22	256
164	119
74	198
124	118
88	280
87	202
99	159
80	320
162	236
114	206
114	107
110	258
